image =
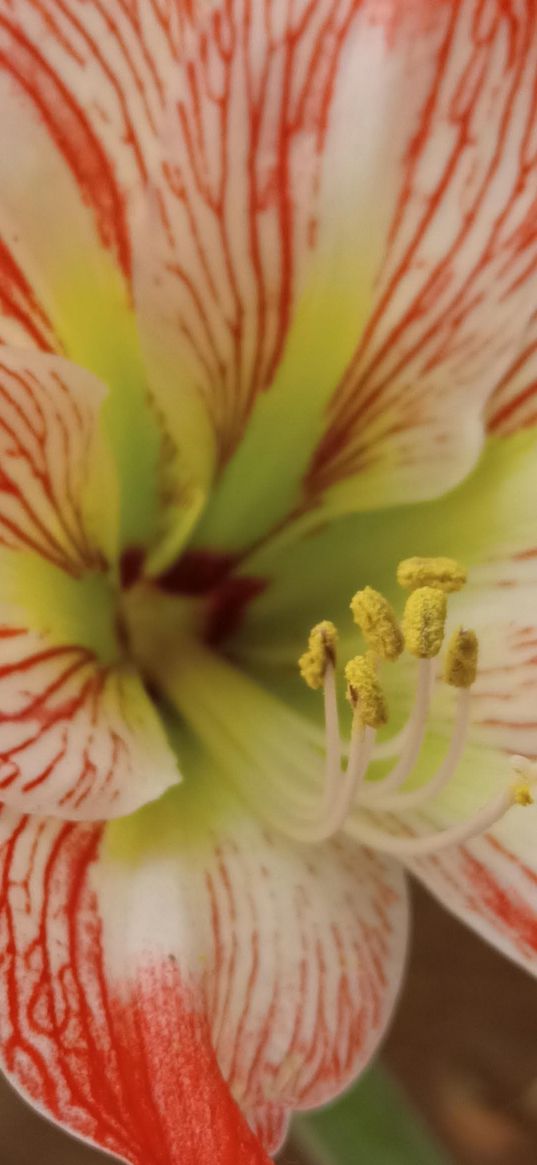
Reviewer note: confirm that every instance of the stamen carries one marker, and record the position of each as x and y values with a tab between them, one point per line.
410	799
460	668
424	622
413	741
365	693
445	574
322	826
378	623
321	651
522	795
423	628
332	740
336	809
480	822
340	787
526	772
395	744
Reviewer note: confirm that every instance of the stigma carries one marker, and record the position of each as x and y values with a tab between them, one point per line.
380	808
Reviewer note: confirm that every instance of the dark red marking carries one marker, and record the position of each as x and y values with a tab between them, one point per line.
228	607
197	572
207	572
131	566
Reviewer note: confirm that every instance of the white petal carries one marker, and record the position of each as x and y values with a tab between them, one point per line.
199	933
78	734
110	1044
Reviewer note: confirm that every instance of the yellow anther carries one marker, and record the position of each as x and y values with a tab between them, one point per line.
365	693
460	667
321	651
378	623
424	621
522	795
444	573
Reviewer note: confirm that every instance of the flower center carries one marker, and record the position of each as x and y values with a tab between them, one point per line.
201	575
167	632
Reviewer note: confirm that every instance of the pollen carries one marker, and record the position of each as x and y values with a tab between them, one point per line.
443	573
460	667
378	623
424	622
321	651
365	693
522	795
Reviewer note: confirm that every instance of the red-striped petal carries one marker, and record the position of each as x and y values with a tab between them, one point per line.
78	738
310	947
457	286
82	90
513	404
412	128
168	936
50	444
491	884
91	79
252	270
112	1047
78	734
24	321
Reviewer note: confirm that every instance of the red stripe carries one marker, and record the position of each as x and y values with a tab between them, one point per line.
514	403
77	738
72	133
46	432
88	1051
501	904
231	270
18	301
419	345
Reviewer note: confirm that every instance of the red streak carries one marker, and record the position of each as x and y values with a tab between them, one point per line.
126	1063
73	135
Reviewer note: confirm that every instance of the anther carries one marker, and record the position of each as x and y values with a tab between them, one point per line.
460	667
443	573
321	652
424	622
522	795
378	623
525	771
365	693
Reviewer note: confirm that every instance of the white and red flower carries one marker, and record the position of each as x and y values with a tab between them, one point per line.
267	287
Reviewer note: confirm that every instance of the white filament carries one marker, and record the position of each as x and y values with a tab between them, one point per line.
414	734
380	839
340	786
347	788
394	746
410	799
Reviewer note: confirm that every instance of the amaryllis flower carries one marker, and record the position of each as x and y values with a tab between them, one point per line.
267	276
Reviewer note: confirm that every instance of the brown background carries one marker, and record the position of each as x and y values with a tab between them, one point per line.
463	1045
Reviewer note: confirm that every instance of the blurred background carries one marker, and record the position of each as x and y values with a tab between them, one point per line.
462	1050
